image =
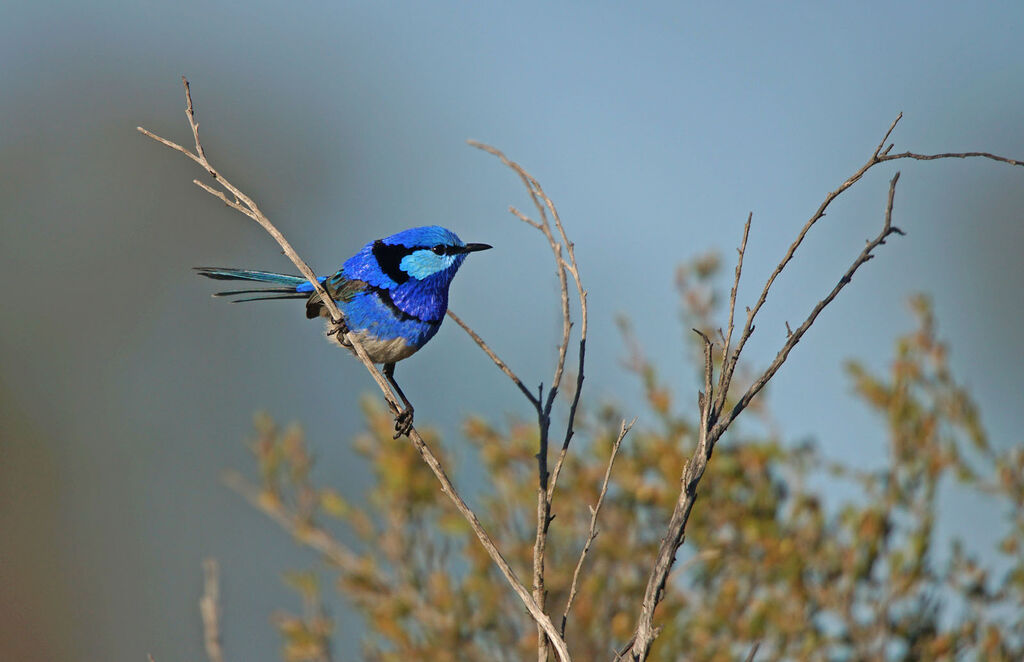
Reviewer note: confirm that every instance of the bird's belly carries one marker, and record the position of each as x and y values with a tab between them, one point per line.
385	332
379	350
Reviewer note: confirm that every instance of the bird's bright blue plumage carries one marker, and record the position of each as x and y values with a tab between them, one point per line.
393	292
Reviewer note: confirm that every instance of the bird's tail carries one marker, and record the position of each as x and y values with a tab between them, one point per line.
283	286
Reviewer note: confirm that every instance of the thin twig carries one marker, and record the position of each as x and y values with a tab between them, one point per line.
523	217
234	204
793	338
536	611
694	469
727	341
564	255
878	156
247	206
950	155
209	609
494	357
639	646
581	293
692	472
748	328
707	398
594	511
543	204
570	425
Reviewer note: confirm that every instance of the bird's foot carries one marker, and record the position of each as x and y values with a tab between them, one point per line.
338	328
403	422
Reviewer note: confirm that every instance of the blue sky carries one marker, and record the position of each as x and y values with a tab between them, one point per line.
656	129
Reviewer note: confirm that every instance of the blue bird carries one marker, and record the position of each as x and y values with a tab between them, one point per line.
393	294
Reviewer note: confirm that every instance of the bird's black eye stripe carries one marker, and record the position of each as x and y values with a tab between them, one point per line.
389	257
444	249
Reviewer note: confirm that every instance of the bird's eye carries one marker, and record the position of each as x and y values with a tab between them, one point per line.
438	250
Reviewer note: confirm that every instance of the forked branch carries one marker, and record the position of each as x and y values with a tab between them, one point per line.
549	223
594	512
714	417
244	204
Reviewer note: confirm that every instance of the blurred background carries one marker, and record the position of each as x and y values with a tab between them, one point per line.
125	390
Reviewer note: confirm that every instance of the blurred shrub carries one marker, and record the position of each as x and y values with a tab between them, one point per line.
769	559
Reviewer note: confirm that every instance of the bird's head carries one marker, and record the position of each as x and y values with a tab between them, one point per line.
429	253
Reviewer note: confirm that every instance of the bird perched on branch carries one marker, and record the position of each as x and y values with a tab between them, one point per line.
393	294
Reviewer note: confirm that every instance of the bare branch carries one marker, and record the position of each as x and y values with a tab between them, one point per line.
696	465
594	511
523	217
713	426
570	425
543	204
534	607
195	125
793	338
220	194
582	295
707	398
560	248
494	357
209	609
252	211
885	138
536	610
950	155
727	340
878	156
173	145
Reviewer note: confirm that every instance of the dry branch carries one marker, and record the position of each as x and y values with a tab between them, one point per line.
494	357
564	255
245	205
714	419
594	512
209	610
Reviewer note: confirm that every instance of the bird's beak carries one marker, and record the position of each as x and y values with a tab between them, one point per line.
472	248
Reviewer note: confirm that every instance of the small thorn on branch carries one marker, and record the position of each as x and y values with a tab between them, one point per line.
789	331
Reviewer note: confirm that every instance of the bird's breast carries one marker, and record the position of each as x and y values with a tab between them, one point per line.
389	329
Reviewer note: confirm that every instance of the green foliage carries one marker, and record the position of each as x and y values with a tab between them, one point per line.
767	560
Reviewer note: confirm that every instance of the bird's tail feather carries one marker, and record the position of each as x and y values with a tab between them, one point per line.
219	273
288	287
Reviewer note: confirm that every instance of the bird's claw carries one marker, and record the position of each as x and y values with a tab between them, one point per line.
403	423
338	328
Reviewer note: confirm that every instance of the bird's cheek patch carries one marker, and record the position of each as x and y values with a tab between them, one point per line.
423	264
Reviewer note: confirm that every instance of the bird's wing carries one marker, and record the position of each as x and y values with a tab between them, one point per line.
340	288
